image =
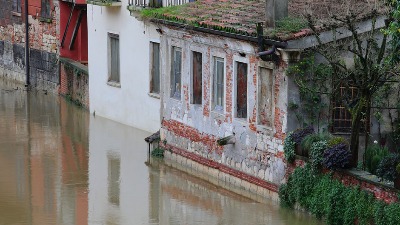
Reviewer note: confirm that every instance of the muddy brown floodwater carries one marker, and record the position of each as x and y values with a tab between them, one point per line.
59	165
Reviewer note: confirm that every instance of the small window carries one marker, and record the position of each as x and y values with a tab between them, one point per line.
218	87
45	9
16	7
114	75
155	68
176	66
341	116
265	97
197	73
241	90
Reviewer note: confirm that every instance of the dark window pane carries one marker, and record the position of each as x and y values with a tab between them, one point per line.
241	90
197	78
155	70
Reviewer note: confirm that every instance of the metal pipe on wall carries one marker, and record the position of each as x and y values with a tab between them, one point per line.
27	82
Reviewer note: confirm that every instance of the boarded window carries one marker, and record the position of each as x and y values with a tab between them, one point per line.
197	78
114	58
218	87
265	97
16	7
45	9
176	67
155	68
241	90
114	164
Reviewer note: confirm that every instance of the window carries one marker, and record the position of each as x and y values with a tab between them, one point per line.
218	86
176	65
197	73
114	75
341	116
45	9
155	68
16	7
241	90
265	97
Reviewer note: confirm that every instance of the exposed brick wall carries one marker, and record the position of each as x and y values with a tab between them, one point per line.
74	82
43	45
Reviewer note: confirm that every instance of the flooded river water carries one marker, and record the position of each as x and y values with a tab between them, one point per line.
59	165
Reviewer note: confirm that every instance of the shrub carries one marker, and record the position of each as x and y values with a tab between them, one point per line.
329	199
299	134
288	148
309	140
158	152
373	156
387	167
337	157
337	140
317	154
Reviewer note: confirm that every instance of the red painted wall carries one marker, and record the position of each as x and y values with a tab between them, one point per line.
79	51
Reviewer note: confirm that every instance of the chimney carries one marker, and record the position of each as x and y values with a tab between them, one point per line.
275	10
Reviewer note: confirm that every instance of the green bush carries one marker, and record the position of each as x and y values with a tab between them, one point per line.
329	199
158	152
288	148
309	140
337	140
317	154
373	156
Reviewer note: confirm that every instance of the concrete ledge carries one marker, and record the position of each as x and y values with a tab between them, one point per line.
221	175
76	65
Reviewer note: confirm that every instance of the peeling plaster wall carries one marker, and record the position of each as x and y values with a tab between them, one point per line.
258	150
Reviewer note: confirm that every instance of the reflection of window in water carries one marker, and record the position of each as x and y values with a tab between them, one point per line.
114	163
48	172
21	176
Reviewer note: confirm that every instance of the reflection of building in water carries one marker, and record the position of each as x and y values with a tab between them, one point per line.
38	184
114	164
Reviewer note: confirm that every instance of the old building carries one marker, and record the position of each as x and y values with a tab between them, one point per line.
43	20
224	82
124	64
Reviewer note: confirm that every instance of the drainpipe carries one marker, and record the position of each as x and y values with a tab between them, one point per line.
27	82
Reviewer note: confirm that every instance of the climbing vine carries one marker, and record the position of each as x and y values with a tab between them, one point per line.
314	90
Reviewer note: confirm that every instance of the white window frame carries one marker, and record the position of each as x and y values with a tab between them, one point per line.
111	81
215	107
174	94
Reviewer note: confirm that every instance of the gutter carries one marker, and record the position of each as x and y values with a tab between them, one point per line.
279	44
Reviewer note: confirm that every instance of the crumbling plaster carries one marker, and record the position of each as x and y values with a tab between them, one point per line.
258	150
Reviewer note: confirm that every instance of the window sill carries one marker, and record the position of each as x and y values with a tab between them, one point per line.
114	84
154	95
264	128
241	120
18	14
45	20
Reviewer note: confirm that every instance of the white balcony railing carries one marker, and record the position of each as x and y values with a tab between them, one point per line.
157	3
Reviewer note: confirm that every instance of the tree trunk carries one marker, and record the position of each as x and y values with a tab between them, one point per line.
357	116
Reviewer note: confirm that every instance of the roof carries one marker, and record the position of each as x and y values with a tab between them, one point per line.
241	16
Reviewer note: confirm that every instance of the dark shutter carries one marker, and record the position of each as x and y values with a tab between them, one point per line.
241	94
197	77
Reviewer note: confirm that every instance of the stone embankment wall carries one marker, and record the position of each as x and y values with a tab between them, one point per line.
74	82
43	33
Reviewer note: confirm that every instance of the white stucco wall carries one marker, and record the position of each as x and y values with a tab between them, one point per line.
130	104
